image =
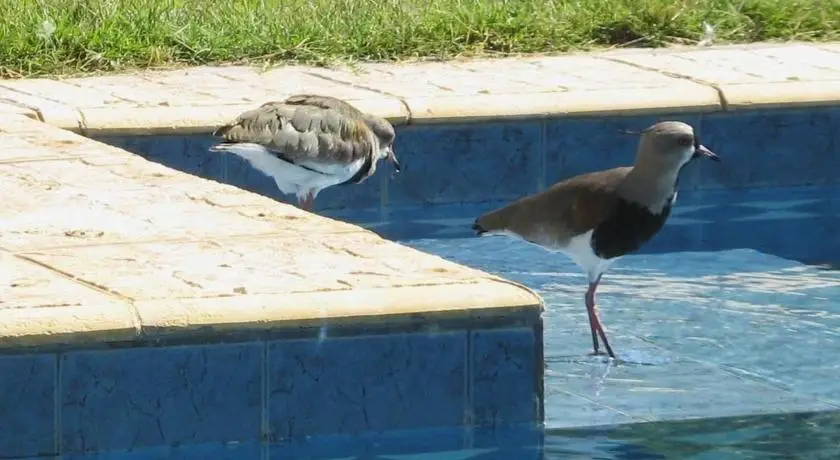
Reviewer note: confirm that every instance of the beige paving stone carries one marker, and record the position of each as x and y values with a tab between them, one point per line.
39	306
499	76
54	113
833	47
748	77
64	92
132	200
97	244
528	87
676	79
197	101
417	305
259	266
138	91
11	108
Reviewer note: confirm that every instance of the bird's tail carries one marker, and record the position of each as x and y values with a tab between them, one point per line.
493	221
222	147
220	132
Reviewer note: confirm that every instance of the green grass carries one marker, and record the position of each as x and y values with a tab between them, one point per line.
43	37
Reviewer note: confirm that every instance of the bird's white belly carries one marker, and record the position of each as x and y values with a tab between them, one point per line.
291	178
578	248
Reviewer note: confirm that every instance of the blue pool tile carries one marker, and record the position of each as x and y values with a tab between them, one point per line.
816	240
190	154
467	162
364	196
360	384
184	153
581	145
133	398
231	451
775	148
504	377
27	405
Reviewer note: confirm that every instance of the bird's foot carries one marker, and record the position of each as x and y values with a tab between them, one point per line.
306	202
603	353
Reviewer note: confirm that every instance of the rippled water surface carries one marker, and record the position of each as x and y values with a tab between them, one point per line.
732	311
708	334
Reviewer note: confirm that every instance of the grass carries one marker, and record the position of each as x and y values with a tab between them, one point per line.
47	37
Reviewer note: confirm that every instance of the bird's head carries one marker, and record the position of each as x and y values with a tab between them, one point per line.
670	145
385	134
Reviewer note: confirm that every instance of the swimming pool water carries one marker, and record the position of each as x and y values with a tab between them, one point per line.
719	333
809	435
732	311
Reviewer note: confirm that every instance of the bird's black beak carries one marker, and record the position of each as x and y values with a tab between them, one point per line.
702	151
393	159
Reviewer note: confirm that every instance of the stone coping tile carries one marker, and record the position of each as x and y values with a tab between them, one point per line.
8	107
91	235
752	77
41	307
629	81
193	100
55	113
275	264
833	47
528	87
464	301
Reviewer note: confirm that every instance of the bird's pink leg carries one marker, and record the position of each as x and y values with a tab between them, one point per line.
594	323
305	203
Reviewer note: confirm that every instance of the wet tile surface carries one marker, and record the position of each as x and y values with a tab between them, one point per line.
743	327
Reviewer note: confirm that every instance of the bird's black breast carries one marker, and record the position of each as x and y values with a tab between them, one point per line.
629	227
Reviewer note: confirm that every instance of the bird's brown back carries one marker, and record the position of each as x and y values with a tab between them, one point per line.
325	102
568	208
304	128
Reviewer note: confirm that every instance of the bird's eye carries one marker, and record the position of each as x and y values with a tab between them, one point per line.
685	141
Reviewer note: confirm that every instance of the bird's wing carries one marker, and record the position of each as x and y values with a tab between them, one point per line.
325	102
304	131
585	201
566	209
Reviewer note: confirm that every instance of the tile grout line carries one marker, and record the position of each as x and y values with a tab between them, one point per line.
402	101
724	103
57	415
541	178
538	331
383	197
265	436
469	416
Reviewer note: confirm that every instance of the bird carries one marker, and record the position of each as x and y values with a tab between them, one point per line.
597	217
309	142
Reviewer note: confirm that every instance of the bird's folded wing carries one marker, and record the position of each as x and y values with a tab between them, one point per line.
578	204
300	133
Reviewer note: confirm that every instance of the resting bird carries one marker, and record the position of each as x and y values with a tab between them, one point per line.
598	217
308	143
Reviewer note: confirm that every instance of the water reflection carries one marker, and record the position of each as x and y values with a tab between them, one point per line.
810	435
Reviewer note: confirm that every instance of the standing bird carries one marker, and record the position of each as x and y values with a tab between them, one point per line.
598	217
308	143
